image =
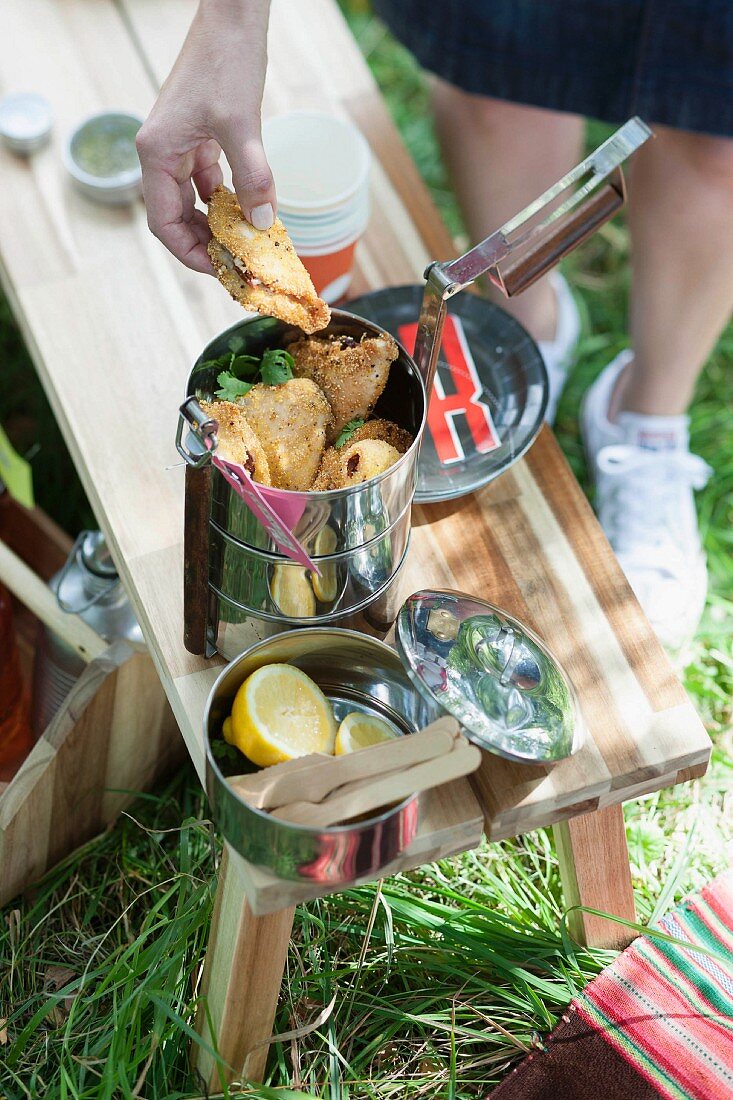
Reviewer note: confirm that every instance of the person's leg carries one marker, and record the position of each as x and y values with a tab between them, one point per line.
500	157
681	224
634	422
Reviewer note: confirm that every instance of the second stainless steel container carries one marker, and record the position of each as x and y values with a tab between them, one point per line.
355	673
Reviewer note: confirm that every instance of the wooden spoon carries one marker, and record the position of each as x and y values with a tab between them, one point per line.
318	774
365	795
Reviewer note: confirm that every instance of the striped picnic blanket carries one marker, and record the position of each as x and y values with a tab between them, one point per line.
656	1023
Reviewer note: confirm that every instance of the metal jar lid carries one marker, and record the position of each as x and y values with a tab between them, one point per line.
26	121
490	395
96	557
493	674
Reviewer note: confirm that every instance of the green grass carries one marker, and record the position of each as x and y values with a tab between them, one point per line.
441	979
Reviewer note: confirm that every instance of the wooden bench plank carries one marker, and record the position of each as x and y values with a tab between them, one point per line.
114	323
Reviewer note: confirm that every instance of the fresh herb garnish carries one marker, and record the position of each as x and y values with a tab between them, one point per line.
237	374
244	366
276	367
230	388
348	430
226	753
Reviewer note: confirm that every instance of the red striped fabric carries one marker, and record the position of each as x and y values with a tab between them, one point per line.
658	1021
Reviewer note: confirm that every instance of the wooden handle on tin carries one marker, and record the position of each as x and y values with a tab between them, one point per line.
196	557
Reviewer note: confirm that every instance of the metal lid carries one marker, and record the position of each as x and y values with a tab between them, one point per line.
96	557
491	673
26	120
490	394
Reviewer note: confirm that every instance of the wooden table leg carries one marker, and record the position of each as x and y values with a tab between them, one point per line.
245	960
594	868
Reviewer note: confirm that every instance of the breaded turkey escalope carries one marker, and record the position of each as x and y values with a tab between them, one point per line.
260	268
290	422
237	441
386	430
355	463
351	373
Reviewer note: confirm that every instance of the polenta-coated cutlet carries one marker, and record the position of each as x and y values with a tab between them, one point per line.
260	267
351	373
354	464
290	421
386	430
237	442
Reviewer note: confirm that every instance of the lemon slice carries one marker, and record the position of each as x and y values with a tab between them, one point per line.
226	730
359	731
291	590
325	586
278	714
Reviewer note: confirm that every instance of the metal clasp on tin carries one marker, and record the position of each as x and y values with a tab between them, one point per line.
202	432
532	242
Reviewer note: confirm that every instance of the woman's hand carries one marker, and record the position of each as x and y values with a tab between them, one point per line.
209	104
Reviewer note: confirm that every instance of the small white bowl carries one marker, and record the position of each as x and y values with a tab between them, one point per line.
119	187
26	121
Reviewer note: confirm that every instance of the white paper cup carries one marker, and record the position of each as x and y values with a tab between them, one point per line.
320	162
316	236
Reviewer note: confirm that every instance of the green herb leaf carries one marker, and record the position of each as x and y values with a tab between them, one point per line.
230	388
244	366
277	367
222	362
226	753
348	430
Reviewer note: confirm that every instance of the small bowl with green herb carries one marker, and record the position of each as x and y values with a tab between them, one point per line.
102	160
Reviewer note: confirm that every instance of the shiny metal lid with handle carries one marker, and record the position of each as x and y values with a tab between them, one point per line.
492	673
515	256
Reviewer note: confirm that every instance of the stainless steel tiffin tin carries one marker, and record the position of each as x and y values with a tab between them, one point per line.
356	673
230	560
454	655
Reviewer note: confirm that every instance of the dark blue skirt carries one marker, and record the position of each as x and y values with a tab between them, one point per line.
669	61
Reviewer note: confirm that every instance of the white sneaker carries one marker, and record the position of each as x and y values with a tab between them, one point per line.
558	353
645	476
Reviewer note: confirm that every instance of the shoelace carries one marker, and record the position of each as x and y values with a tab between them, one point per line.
656	514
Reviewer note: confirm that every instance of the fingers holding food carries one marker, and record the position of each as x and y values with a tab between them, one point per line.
260	268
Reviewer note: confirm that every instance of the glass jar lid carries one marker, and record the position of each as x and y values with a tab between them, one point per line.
493	674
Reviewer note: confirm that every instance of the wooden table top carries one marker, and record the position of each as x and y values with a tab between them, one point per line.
114	323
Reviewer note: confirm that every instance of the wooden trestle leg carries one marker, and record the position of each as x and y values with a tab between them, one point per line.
245	960
594	868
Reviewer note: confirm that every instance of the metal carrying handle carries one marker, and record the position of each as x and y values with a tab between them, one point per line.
203	428
529	245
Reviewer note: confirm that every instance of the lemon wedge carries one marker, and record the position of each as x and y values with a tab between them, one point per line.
291	590
359	731
226	730
280	713
325	586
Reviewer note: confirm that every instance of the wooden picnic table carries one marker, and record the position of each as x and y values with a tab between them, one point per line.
113	324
